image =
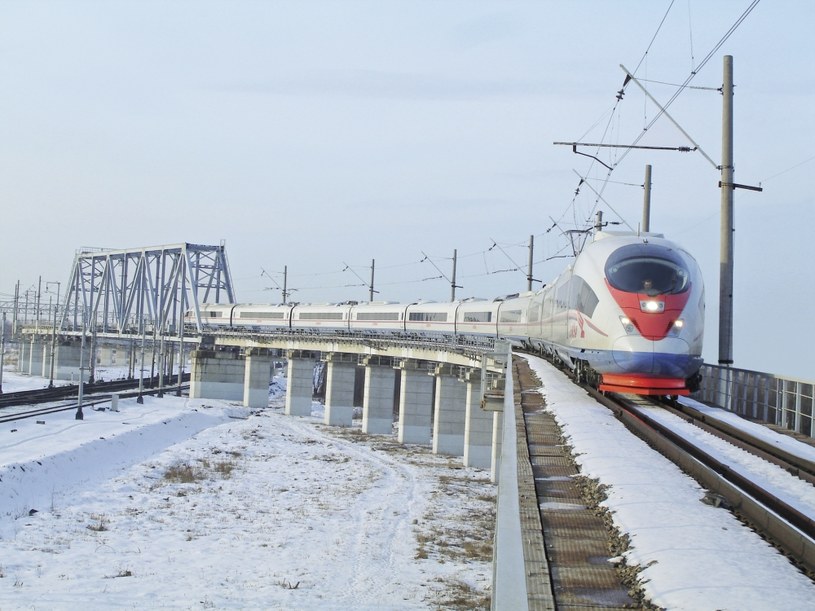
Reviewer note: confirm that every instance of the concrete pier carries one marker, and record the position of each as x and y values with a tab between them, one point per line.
36	356
478	425
46	359
24	357
415	403
256	379
339	389
300	382
450	411
67	359
380	385
217	374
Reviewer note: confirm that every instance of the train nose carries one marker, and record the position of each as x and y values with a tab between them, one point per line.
669	357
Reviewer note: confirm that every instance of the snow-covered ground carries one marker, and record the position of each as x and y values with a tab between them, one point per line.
197	504
692	555
192	504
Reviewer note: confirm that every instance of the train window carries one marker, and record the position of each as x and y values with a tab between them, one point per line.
583	298
428	316
534	311
261	315
477	316
320	316
216	314
378	315
562	295
647	268
510	316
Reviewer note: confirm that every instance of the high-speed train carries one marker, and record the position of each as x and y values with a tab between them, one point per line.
627	316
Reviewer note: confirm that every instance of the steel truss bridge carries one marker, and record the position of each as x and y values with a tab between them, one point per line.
129	291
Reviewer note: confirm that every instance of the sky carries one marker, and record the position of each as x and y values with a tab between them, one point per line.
322	136
394	526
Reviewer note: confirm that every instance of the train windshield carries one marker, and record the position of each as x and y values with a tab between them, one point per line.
647	268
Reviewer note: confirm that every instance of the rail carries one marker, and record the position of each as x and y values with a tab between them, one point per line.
784	402
771	514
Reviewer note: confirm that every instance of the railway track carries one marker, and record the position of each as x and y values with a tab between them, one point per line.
744	468
733	481
774	453
48	395
94	400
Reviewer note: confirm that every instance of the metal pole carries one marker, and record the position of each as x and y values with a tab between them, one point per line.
161	362
453	283
53	346
531	253
16	308
727	221
2	351
53	335
598	224
92	355
181	320
39	292
79	414
153	343
140	398
373	264
31	354
181	355
646	201
285	283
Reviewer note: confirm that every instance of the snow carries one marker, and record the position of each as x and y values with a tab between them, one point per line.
782	442
796	492
286	513
692	555
279	513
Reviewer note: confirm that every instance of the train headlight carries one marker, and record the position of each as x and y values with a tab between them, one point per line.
652	305
627	324
676	327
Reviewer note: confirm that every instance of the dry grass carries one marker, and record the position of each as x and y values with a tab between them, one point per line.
202	469
440	537
183	473
100	524
459	595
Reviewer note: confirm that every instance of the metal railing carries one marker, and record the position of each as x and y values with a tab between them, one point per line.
509	575
785	402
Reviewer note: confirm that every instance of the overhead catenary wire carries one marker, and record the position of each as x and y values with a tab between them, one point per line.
611	114
789	169
663	108
442	276
607	204
696	87
690	37
426	258
690	77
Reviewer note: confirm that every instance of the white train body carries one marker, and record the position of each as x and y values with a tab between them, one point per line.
630	308
628	314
